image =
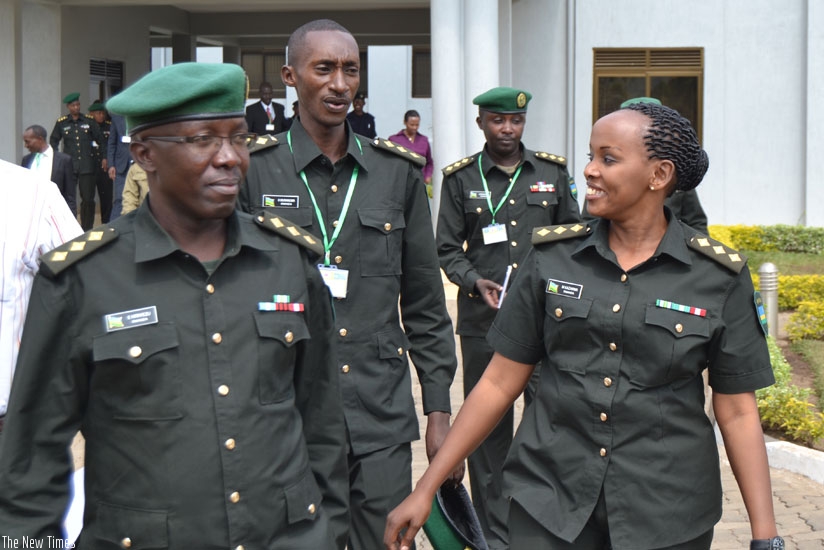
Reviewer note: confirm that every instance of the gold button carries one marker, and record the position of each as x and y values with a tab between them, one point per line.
223	389
623	277
260	218
607	381
543	203
229	444
335	223
679	328
344	369
513	223
616	308
387	226
126	542
603	417
235	497
311	508
511	201
400	351
558	312
343	332
338	259
210	288
240	547
612	346
602	452
479	210
513	243
514	266
334	188
217	338
289	337
135	352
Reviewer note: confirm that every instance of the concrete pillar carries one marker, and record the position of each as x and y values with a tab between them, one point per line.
480	49
10	92
447	89
813	182
390	72
183	48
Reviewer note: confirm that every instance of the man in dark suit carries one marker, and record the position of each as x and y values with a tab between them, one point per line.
119	161
265	116
54	165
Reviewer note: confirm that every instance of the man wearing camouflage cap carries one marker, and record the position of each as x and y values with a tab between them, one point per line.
200	372
490	202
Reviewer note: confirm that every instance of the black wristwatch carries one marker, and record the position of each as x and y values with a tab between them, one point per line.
775	543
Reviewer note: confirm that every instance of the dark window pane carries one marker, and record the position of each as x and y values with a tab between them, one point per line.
252	63
614	90
421	73
678	92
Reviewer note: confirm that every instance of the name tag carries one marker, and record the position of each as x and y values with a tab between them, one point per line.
130	319
336	279
571	290
270	127
494	233
125	139
478	195
280	201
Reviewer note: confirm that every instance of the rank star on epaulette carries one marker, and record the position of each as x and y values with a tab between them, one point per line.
552	233
399	150
54	262
263	142
557	159
711	248
291	231
457	165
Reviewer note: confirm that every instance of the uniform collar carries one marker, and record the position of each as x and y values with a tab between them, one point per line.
673	244
488	164
152	241
305	151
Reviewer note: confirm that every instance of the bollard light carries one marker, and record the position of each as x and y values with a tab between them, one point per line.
768	273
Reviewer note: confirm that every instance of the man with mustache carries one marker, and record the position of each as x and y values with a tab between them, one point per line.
200	373
367	202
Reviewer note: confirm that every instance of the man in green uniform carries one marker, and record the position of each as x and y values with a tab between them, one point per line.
489	204
103	183
368	202
79	135
200	373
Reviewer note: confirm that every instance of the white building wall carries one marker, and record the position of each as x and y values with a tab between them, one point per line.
814	107
10	92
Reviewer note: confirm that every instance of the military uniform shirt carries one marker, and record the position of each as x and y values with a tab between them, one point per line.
464	213
218	425
620	404
77	136
387	244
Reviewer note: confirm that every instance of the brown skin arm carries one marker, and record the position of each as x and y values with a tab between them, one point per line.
489	291
502	383
437	426
740	425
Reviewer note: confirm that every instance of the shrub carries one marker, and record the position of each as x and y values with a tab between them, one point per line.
794	289
807	322
767	238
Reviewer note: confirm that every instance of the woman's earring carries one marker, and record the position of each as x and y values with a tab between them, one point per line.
652	188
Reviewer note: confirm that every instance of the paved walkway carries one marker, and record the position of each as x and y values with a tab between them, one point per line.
798	500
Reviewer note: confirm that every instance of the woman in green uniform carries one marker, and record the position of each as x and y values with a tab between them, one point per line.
624	314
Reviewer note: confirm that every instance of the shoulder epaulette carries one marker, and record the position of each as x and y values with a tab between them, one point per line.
263	142
716	250
551	158
553	233
62	118
399	150
89	116
54	262
458	165
289	230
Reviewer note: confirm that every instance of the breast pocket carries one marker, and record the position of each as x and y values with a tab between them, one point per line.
542	200
381	241
117	525
677	350
278	334
568	333
137	372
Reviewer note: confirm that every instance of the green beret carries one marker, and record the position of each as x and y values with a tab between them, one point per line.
453	524
183	91
640	100
96	106
503	100
71	98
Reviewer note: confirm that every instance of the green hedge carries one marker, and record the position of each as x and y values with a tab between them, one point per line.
807	322
795	289
767	238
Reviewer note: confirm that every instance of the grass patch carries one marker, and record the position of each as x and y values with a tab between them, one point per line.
813	353
788	263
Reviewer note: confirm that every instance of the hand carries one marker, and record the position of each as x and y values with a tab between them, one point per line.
429	192
489	291
404	522
112	172
104	164
437	426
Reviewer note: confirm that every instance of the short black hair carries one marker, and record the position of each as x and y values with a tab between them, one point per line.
298	38
671	137
411	113
38	131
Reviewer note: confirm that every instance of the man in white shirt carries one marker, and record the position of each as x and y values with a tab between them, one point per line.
34	219
52	165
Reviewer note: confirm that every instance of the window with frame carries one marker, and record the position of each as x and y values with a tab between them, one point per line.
421	72
675	76
264	66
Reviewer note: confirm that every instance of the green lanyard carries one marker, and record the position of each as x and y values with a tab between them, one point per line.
327	243
512	181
